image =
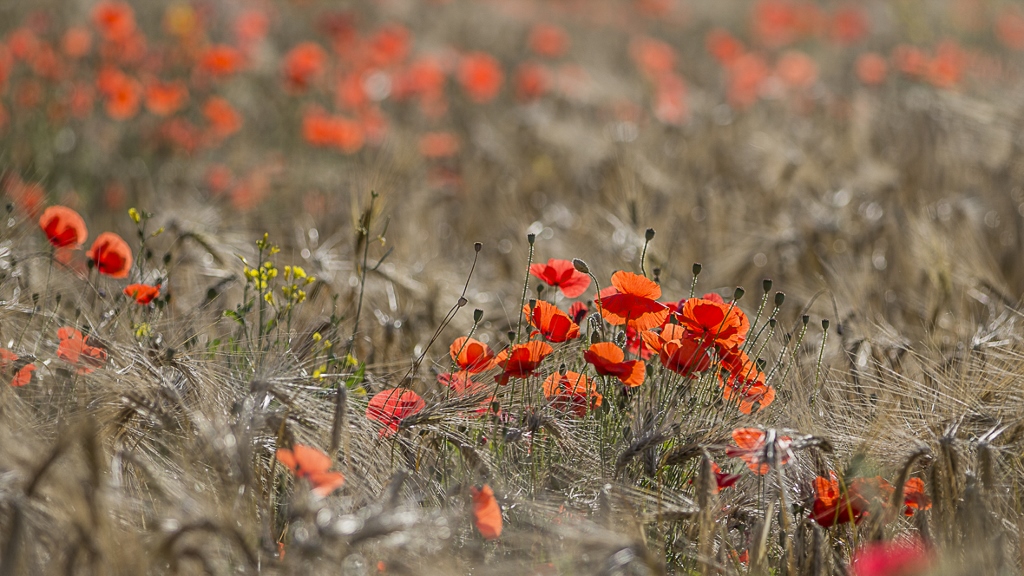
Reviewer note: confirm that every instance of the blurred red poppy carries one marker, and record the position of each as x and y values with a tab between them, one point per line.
555	325
142	293
722	479
548	40
224	120
111	255
486	512
685	356
391	406
849	25
609	360
114	20
75	350
471	355
221	60
796	69
303	65
166	98
480	76
532	81
564	275
313	465
64	228
438	145
389	46
759	449
715	323
21	372
871	68
723	46
122	93
521	360
571	392
652	56
1009	28
635	302
909	557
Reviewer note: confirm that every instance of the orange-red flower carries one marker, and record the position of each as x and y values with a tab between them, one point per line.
122	93
114	20
718	323
909	557
548	40
652	56
796	69
722	479
75	350
872	68
532	81
21	372
486	512
76	42
223	118
635	302
564	275
552	323
759	449
221	60
391	406
438	145
685	356
313	465
521	360
723	46
832	506
745	383
609	360
389	46
481	76
471	355
142	293
166	98
64	227
303	65
571	392
914	497
321	129
111	255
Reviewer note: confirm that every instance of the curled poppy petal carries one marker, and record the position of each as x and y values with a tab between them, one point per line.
553	324
391	406
313	465
609	360
521	360
634	303
111	255
486	512
64	228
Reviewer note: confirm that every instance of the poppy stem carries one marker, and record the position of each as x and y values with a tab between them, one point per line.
526	286
821	354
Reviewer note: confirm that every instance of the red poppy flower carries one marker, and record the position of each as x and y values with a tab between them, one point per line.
718	323
111	255
571	392
221	60
656	340
745	383
76	42
564	275
251	26
438	145
685	356
303	65
652	56
555	325
796	69
635	302
578	311
871	68
670	105
609	360
166	98
914	497
744	79
64	227
486	512
723	46
22	371
849	25
1009	28
481	76
391	406
548	40
122	93
223	118
831	506
321	129
759	449
142	293
532	81
73	349
910	557
521	360
471	355
313	465
723	480
114	20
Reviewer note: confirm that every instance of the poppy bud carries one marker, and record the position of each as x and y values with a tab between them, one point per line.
824	324
772	322
696	268
805	319
478	246
511	335
649	234
532	303
780	297
540	289
478	314
766	284
738	293
531	238
462	301
580	266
